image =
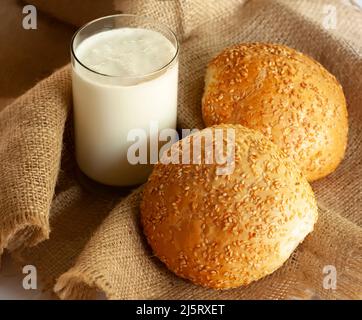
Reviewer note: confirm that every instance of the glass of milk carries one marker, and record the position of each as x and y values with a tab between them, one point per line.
124	77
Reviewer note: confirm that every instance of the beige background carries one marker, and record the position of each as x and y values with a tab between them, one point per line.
27	56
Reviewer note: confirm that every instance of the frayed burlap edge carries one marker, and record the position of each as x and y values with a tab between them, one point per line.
23	231
81	285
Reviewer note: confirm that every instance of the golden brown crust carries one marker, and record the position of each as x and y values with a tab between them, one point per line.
287	96
223	231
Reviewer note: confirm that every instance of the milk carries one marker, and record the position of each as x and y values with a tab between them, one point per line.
132	83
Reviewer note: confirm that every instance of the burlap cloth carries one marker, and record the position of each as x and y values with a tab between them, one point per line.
83	237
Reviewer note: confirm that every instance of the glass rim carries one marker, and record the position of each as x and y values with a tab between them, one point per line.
146	75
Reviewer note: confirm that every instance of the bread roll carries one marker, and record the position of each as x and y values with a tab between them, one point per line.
284	94
224	231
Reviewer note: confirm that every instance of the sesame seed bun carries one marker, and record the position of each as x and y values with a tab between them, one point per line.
224	231
284	94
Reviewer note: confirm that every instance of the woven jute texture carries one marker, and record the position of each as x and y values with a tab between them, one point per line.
83	237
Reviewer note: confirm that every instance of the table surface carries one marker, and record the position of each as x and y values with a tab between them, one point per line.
11	280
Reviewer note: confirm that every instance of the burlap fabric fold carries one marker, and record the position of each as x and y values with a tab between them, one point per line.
83	237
